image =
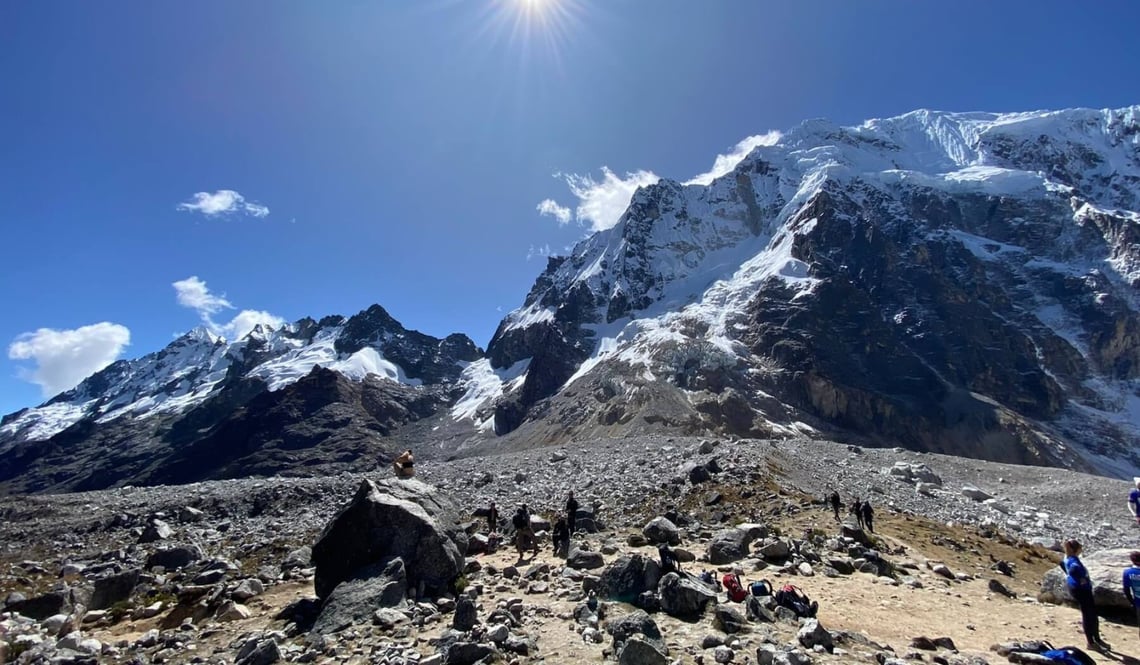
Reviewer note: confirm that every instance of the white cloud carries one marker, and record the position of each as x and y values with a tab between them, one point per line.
222	202
726	163
193	293
65	357
601	203
550	208
543	251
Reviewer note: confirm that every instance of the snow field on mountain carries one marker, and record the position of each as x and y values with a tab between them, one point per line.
484	384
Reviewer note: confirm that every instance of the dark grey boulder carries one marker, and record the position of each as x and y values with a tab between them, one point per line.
465	616
729	619
628	577
155	531
259	652
298	558
683	597
404	519
698	474
1105	568
113	589
639	651
661	530
173	558
466	653
42	606
728	545
355	601
584	560
635	623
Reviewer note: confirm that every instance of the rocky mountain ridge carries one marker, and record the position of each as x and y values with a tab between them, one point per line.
962	283
297	397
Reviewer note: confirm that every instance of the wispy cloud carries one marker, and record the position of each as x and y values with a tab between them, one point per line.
550	208
193	293
63	358
726	163
223	202
602	202
542	251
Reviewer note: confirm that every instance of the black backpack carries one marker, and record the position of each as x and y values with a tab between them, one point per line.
793	598
519	520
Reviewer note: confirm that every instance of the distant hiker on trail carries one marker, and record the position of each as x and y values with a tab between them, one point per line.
1134	500
571	512
492	518
1132	582
404	465
560	536
670	563
857	512
868	515
524	534
835	504
1080	586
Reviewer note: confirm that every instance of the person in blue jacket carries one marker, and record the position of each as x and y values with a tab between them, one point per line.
1132	582
1080	586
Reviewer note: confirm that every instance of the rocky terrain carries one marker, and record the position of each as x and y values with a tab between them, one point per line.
259	571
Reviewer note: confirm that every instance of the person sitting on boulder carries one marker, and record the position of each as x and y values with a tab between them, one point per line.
868	514
1132	582
1134	501
404	465
670	563
560	538
1080	587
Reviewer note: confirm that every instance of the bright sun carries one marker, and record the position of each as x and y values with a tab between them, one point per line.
533	25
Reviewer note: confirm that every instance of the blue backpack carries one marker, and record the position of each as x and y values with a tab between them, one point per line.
1069	656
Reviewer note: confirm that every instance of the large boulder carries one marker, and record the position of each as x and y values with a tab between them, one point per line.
683	597
729	545
914	473
628	577
404	519
173	558
639	651
635	623
1105	568
355	600
661	530
42	606
113	589
579	559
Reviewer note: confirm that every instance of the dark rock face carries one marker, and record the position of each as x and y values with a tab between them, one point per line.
42	606
354	601
114	588
728	545
392	519
238	427
683	598
627	578
173	558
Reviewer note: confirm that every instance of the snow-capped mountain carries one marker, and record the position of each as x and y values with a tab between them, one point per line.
186	392
959	282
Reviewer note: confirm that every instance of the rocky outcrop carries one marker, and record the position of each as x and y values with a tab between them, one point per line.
392	519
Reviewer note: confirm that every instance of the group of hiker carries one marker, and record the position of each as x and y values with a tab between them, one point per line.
525	540
861	510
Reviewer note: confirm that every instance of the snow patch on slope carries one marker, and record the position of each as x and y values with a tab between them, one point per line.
483	384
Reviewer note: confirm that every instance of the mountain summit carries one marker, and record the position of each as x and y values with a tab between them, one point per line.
964	283
955	282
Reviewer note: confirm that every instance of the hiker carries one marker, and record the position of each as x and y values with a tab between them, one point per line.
404	465
524	533
857	512
1134	501
868	515
835	504
670	563
1080	586
1132	582
492	518
560	536
571	512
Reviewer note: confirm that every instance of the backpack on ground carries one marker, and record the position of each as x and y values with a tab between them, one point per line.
734	588
761	588
1069	656
793	598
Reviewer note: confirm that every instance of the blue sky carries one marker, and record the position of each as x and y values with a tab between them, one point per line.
395	152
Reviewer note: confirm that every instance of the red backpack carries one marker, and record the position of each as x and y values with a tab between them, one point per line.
736	592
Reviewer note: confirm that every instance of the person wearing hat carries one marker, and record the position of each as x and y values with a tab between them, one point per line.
1080	587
